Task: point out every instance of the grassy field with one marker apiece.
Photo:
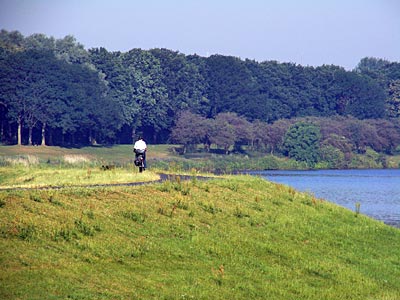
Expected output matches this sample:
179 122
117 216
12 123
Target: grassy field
121 154
166 158
160 157
235 238
39 176
28 167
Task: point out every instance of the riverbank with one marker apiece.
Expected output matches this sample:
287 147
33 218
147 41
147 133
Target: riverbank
233 238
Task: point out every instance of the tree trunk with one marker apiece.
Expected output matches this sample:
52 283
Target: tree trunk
50 135
30 136
10 133
44 134
92 138
19 133
155 137
1 131
133 134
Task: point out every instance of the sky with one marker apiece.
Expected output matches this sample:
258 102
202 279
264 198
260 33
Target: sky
305 32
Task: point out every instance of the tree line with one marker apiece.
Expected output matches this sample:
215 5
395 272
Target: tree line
310 139
55 92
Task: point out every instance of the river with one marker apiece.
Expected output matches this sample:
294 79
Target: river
377 191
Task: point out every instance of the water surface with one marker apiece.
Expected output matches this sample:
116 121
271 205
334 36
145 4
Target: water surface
377 191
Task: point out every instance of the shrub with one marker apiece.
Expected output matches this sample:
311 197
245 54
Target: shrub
302 142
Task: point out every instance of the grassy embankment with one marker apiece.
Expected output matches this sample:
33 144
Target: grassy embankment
235 238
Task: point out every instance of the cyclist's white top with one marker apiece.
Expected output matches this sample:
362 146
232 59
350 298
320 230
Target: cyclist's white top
140 145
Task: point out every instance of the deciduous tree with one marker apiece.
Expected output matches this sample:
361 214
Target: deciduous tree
302 142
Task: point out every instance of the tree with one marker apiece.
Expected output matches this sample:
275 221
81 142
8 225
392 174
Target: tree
71 51
273 100
359 96
41 90
387 136
243 129
260 132
59 88
189 130
333 144
302 142
333 157
14 68
371 64
223 133
41 97
183 81
362 135
12 41
121 84
393 99
149 92
39 42
276 133
230 85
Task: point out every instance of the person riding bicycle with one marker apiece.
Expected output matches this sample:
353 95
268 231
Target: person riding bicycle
140 148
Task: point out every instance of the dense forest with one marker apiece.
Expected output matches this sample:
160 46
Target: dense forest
55 92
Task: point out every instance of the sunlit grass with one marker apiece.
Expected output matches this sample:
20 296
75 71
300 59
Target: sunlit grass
75 159
43 176
164 157
121 154
235 238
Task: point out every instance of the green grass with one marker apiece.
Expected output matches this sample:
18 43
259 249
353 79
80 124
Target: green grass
166 158
119 154
234 238
47 176
29 167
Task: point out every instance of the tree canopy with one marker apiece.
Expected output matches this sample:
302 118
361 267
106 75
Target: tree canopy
55 92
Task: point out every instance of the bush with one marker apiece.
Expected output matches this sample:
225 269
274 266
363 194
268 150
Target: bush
333 157
302 142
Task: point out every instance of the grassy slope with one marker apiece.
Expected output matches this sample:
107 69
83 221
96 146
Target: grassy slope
235 238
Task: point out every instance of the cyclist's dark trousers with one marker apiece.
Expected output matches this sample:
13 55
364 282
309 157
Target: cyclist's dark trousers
144 157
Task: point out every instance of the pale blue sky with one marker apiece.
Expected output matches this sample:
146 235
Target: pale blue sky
308 32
